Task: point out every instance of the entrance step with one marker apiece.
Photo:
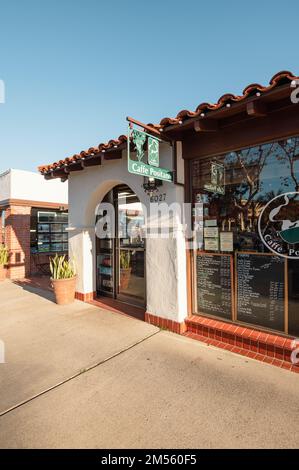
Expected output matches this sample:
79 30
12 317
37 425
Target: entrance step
266 347
119 307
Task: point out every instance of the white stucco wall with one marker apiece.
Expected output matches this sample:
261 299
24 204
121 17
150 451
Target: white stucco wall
26 185
165 258
5 183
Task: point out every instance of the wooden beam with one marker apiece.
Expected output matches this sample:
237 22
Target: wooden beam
145 126
59 173
113 155
277 125
74 167
151 130
256 108
276 94
206 125
92 161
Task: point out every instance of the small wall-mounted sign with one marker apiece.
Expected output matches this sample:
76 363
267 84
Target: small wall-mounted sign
137 166
153 151
217 184
226 241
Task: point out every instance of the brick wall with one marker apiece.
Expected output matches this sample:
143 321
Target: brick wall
2 231
17 234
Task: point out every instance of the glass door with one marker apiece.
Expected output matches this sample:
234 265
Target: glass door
105 277
130 247
120 261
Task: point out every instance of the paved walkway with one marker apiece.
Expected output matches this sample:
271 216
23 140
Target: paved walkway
80 376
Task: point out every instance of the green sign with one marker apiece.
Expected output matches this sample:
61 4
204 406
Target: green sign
150 169
217 184
142 169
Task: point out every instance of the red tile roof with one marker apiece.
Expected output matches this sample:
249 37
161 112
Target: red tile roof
113 143
280 78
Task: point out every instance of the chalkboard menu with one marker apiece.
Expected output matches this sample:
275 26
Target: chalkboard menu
260 290
214 287
293 291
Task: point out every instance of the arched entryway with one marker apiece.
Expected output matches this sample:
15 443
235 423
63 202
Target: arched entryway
120 261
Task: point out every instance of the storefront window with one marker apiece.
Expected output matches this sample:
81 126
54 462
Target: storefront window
48 231
246 213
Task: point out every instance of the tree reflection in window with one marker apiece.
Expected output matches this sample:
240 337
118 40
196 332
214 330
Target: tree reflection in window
253 176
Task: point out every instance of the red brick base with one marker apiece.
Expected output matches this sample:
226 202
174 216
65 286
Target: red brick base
171 325
85 297
266 347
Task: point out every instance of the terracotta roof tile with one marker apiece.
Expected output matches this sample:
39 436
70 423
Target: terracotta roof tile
278 79
84 153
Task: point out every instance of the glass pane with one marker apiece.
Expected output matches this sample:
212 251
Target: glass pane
44 238
131 274
43 247
105 272
46 216
61 217
43 228
56 247
56 228
249 202
130 221
56 237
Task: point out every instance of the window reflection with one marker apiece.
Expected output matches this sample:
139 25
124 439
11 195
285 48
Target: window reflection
227 224
253 177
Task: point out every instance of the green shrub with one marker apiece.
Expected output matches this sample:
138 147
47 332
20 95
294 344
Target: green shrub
124 259
3 255
61 268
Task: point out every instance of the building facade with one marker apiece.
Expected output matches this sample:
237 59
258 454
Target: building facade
33 219
236 164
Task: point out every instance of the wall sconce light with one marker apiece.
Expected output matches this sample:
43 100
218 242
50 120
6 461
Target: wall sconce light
151 185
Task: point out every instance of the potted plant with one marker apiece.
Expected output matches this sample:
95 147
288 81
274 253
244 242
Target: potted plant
125 269
63 278
3 261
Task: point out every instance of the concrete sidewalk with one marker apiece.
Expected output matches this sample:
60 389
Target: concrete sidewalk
46 343
165 391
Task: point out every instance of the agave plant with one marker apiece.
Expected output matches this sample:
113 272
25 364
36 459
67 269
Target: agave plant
124 260
3 255
61 268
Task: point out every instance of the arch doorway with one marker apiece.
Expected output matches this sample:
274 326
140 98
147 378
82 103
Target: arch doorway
120 261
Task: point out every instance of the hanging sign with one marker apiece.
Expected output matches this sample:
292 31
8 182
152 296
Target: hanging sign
217 184
137 166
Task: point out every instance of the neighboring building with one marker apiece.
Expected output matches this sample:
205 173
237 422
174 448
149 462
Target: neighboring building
33 220
230 161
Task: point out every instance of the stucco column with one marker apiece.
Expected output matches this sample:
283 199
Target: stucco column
82 251
166 280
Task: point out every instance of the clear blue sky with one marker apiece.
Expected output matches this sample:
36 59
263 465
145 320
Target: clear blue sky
74 69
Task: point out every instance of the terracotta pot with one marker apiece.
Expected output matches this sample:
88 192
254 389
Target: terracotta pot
64 290
2 273
124 278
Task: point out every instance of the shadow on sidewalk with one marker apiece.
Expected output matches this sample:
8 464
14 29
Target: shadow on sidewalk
40 285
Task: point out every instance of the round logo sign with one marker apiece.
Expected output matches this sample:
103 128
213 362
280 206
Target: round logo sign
278 225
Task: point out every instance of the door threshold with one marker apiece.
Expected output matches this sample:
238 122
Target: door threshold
118 306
